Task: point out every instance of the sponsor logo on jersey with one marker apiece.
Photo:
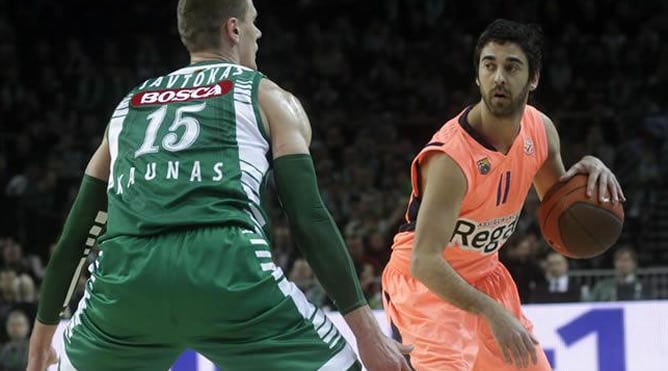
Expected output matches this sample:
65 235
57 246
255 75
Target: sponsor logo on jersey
528 147
486 237
484 166
146 98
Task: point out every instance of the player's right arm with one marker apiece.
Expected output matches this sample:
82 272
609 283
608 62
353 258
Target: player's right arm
443 188
313 228
66 257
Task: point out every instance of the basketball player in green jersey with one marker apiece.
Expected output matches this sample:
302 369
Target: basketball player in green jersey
184 261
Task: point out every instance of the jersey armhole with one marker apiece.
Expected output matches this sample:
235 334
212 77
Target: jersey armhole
415 167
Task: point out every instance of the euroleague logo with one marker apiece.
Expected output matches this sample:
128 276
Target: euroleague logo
529 149
146 98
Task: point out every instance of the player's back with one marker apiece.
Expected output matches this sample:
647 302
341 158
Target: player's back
188 149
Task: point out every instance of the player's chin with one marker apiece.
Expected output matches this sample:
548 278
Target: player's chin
500 110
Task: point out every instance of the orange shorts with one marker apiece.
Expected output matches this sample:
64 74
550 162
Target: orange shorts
445 337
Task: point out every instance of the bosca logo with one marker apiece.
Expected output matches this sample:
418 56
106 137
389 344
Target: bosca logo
181 95
484 166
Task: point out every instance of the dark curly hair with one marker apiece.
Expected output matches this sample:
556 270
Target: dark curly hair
528 36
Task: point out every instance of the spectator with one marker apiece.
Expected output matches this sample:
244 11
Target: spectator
8 295
557 287
14 354
14 259
625 285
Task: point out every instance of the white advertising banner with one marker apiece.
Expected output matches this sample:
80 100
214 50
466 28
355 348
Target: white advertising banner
631 336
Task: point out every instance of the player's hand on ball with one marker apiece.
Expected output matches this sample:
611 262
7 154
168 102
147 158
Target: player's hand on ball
380 353
516 343
609 189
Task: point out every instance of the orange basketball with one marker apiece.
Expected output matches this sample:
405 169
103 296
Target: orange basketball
575 225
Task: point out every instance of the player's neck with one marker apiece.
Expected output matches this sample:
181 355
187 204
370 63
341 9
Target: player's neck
213 56
500 132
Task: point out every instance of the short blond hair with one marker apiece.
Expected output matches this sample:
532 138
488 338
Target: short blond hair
199 21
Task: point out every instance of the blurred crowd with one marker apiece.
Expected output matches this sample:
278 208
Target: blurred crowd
377 79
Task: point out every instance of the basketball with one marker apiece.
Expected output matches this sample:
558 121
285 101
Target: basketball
578 226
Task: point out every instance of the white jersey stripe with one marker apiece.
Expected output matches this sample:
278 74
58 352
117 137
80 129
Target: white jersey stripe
263 254
343 360
114 132
253 147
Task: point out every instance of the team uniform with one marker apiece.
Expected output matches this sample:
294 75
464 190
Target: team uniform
446 337
185 261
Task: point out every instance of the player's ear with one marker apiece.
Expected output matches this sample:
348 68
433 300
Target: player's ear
231 29
477 81
533 84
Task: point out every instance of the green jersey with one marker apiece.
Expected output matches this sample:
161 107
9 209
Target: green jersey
188 149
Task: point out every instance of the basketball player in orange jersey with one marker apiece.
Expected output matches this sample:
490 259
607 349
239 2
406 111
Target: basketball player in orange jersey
445 289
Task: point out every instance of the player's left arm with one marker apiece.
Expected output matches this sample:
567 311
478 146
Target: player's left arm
78 235
553 167
553 170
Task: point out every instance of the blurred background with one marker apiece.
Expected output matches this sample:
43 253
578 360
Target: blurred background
377 78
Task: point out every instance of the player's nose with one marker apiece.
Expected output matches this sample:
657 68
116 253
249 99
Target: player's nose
499 77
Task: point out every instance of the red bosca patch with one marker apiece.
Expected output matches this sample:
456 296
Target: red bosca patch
153 97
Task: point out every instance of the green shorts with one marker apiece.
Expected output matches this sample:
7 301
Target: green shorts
213 290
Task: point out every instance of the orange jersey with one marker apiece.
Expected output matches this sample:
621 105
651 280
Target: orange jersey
498 185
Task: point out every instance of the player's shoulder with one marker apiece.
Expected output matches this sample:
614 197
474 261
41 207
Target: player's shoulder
270 93
268 86
450 139
280 107
542 129
453 130
538 116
